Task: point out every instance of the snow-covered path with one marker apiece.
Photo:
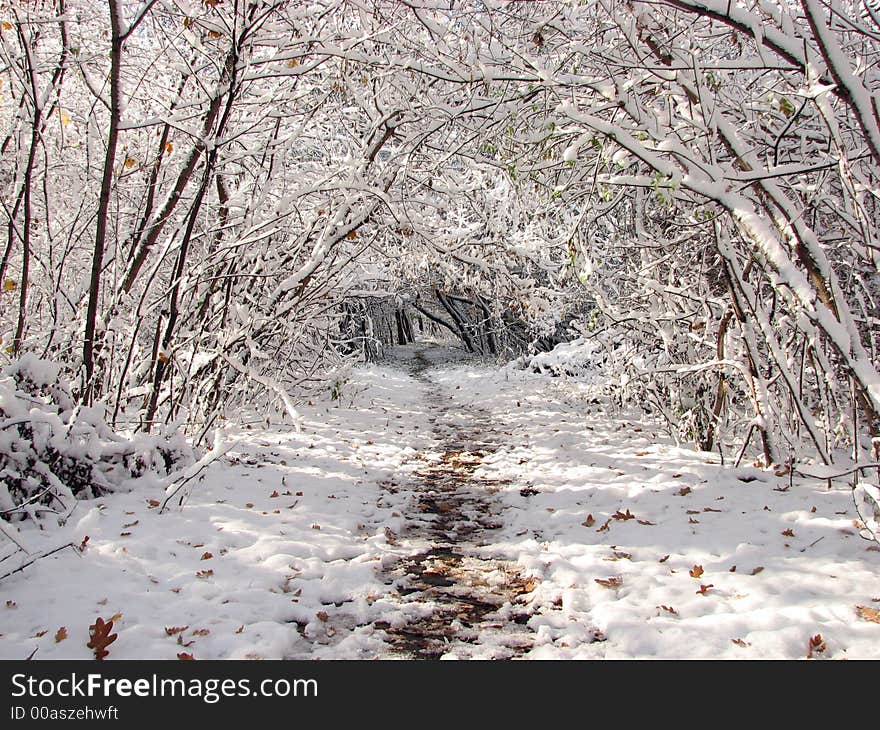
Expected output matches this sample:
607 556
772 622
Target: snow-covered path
458 511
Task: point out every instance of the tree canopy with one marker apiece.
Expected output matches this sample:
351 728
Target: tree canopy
204 201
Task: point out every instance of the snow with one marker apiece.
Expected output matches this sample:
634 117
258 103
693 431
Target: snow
281 547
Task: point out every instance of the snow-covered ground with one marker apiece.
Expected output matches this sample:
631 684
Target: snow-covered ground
632 546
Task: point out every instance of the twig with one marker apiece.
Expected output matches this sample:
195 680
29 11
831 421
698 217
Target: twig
38 557
813 543
218 450
856 468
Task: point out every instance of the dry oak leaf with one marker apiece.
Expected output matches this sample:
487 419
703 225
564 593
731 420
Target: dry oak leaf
323 616
788 533
869 613
816 645
61 634
184 657
668 609
201 632
613 582
684 491
605 526
100 637
623 515
172 630
206 556
696 571
757 569
740 642
704 589
663 559
589 522
204 573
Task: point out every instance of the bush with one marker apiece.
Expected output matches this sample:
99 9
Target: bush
53 451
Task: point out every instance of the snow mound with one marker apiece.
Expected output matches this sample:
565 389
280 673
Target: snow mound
580 358
53 451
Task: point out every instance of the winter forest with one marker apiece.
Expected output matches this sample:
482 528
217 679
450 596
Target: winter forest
439 329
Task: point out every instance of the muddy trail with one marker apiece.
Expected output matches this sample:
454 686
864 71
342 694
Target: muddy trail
477 605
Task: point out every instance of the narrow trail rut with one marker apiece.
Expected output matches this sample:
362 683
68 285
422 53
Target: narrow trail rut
477 603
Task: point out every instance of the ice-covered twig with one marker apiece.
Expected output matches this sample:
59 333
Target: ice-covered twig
831 471
37 557
179 481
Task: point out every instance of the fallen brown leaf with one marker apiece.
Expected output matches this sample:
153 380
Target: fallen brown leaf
100 637
613 582
816 645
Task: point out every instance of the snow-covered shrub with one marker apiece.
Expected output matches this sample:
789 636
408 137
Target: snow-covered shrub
53 451
581 357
